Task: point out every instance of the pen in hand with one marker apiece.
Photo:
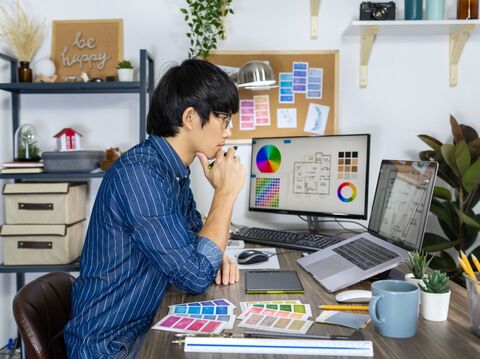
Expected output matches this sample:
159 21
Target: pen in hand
213 162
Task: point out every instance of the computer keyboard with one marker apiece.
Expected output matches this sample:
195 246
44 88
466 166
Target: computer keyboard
293 240
364 253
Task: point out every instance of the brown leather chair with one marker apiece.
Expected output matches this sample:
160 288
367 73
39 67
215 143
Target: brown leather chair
41 310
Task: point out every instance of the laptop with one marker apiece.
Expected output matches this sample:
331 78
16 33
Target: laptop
397 225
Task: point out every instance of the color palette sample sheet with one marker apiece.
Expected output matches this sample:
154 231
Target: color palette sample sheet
276 324
211 307
299 308
273 313
177 323
244 305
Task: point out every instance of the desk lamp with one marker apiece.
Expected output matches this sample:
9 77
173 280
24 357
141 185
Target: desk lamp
256 75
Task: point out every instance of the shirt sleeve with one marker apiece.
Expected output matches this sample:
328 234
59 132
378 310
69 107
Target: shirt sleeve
155 223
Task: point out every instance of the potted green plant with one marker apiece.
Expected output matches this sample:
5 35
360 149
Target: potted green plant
435 296
454 203
418 264
125 71
26 148
205 21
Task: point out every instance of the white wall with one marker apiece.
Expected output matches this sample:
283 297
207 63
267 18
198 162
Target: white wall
408 90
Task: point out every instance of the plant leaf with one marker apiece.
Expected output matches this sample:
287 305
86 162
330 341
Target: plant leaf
442 192
456 130
445 263
441 212
430 141
474 147
462 157
448 153
433 242
469 133
471 177
468 220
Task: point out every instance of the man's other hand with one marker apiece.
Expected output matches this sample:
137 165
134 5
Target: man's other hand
228 273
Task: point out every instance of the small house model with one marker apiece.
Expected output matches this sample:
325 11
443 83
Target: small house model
68 140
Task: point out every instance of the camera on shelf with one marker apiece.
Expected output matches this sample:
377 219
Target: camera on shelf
377 10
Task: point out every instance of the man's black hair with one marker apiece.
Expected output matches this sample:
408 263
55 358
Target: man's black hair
195 83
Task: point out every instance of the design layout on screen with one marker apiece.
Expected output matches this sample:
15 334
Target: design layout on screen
322 175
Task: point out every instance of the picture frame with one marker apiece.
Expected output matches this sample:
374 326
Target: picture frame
91 46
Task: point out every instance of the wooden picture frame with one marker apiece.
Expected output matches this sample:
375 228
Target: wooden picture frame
91 46
281 61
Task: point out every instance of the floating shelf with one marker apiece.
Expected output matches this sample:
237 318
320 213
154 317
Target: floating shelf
52 175
457 30
71 87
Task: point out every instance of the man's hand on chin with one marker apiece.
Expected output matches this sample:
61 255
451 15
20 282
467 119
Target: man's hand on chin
228 273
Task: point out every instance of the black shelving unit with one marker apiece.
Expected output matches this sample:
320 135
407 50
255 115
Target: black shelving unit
144 88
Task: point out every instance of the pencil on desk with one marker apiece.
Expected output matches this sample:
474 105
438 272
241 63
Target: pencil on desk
476 262
343 307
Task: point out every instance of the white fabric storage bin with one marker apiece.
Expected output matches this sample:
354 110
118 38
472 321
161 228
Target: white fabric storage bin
41 243
44 203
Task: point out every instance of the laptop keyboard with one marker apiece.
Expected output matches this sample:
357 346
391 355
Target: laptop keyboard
364 253
293 240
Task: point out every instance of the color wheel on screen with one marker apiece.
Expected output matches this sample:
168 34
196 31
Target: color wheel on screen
268 159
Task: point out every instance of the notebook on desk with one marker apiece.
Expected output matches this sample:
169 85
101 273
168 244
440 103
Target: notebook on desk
397 226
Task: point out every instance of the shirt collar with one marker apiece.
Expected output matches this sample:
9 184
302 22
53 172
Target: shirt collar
170 157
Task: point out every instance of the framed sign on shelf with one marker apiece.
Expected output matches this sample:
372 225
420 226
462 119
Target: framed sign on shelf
90 46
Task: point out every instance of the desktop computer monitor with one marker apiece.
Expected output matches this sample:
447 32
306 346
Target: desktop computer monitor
321 176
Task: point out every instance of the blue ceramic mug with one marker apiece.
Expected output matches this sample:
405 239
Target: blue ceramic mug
394 308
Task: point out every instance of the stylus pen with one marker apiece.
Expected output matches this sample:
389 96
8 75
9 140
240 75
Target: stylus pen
213 162
355 336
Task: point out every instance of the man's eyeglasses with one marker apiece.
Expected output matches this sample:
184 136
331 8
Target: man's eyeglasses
226 117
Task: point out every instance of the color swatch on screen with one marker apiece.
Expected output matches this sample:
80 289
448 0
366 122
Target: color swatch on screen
342 192
347 165
268 159
267 192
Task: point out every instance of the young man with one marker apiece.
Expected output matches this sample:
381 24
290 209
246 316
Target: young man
145 232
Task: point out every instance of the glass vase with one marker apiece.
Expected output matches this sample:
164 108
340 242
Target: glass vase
467 9
24 72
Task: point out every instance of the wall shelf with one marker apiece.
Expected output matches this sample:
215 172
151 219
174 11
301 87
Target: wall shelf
71 87
52 175
457 30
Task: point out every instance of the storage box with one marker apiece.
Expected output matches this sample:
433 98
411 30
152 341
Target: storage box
71 161
44 203
41 243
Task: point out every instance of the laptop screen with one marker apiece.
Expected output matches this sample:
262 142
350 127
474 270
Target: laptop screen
402 201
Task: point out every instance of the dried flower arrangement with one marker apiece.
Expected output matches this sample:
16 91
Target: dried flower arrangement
21 33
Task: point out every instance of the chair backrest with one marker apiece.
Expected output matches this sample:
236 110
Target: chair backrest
41 310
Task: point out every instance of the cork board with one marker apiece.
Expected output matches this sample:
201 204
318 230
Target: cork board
91 46
282 62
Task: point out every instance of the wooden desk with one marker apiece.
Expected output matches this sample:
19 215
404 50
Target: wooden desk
450 339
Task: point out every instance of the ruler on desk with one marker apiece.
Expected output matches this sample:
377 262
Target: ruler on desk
279 346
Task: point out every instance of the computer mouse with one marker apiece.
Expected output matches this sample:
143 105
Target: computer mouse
251 256
354 296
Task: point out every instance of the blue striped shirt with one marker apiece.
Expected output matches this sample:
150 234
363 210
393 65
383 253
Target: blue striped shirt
141 239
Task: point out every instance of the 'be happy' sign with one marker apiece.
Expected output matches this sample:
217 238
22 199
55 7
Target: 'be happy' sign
91 46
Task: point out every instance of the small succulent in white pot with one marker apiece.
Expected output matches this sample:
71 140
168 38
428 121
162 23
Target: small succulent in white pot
435 296
418 264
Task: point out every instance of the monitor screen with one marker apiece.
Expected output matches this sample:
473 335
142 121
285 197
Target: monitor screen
314 176
402 201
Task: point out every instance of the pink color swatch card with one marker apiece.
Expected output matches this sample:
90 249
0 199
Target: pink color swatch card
180 324
262 110
272 312
276 324
247 114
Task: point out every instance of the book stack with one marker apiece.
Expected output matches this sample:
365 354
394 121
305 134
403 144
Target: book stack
21 167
